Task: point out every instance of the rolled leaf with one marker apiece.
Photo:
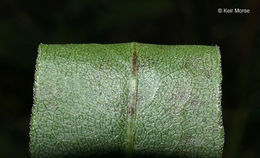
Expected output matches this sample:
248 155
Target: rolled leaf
128 99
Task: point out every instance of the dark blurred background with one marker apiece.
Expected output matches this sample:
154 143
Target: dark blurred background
25 24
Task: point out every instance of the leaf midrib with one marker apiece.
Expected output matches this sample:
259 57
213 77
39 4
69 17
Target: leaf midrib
130 133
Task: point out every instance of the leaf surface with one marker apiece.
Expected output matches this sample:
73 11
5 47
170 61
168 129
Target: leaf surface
128 99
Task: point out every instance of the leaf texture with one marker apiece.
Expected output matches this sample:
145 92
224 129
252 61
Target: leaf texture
128 99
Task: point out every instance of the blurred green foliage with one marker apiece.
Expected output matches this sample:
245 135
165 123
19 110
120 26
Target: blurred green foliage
26 23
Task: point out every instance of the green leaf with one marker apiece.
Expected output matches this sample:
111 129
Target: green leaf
128 99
